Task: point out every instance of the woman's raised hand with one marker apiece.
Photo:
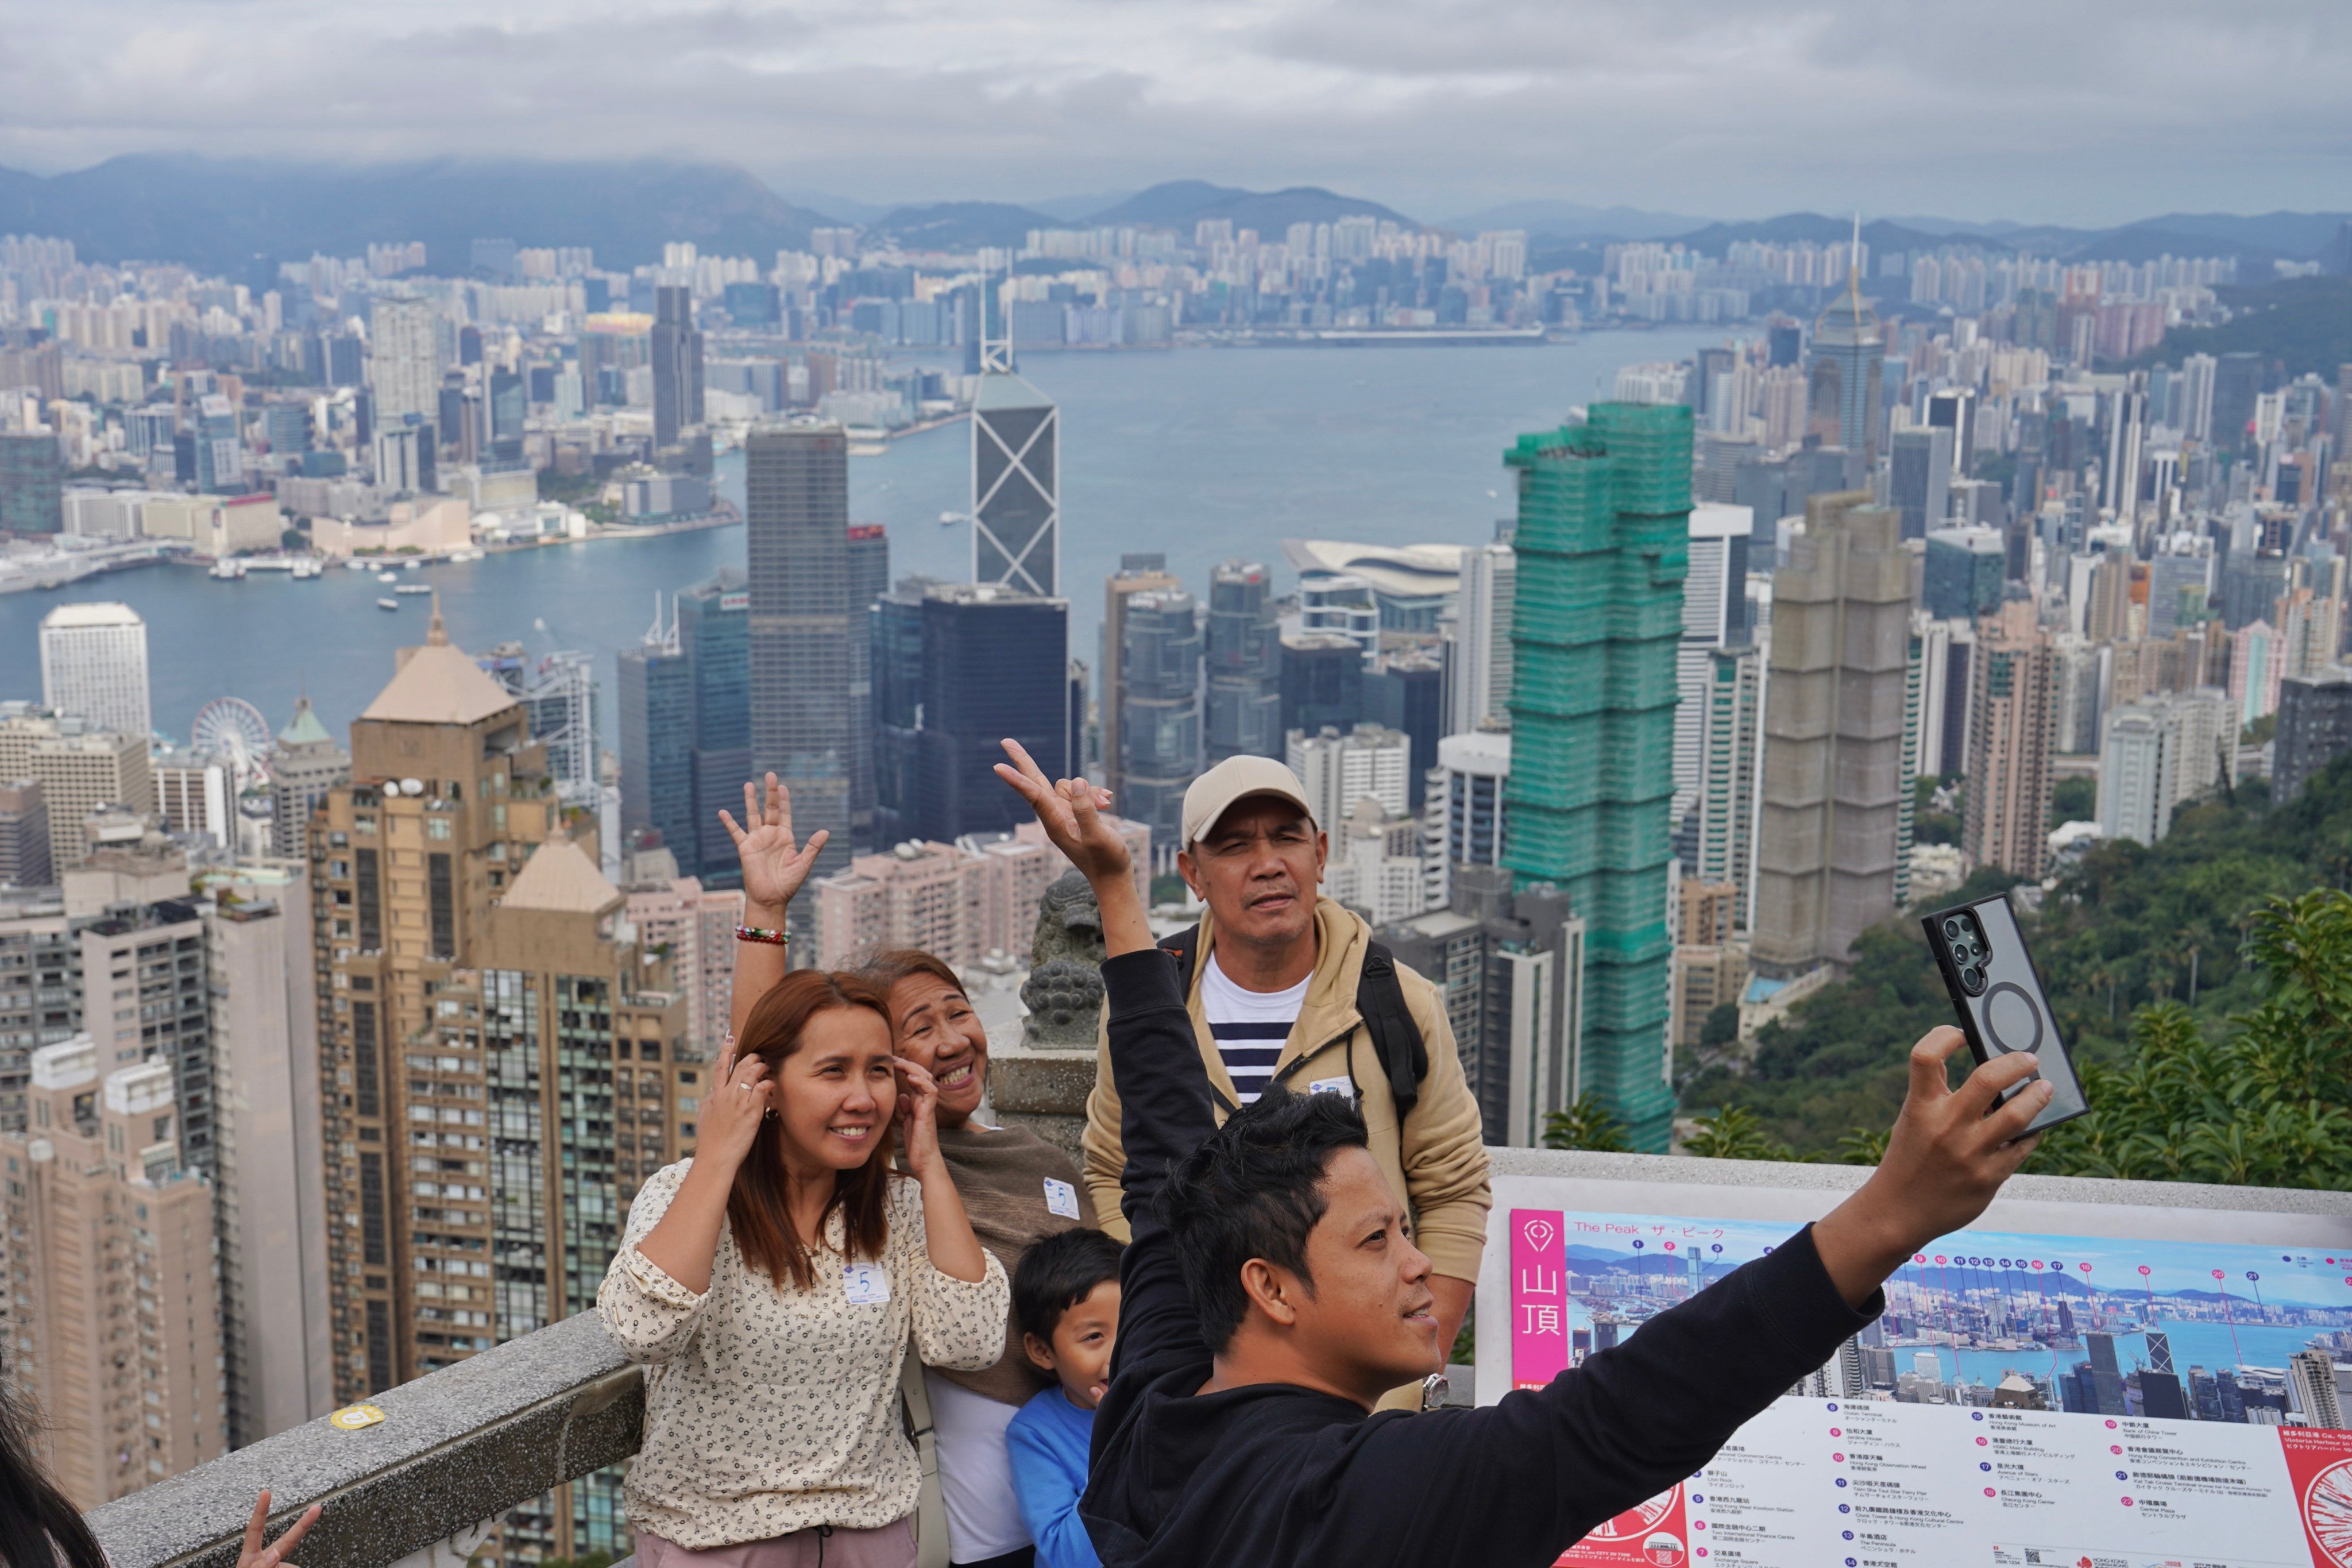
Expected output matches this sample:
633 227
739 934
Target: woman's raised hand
774 866
918 1116
730 1113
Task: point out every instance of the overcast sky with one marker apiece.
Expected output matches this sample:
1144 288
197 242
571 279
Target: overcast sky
2056 110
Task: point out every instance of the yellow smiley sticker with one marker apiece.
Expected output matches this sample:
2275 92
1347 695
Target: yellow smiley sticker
352 1418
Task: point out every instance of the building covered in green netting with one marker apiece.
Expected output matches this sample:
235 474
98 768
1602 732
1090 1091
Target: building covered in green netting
1604 545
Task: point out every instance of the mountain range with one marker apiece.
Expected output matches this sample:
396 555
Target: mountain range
222 215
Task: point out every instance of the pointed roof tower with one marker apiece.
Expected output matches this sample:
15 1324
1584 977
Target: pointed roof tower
438 684
560 877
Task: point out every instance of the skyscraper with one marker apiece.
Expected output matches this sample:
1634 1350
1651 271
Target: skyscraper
1603 544
1322 681
1138 573
1159 731
714 633
657 691
1478 682
1731 736
796 543
678 365
94 667
2011 729
1963 573
1715 616
1016 484
993 663
1243 658
2315 728
130 1382
1920 479
304 765
1849 363
1827 834
501 1064
79 769
405 371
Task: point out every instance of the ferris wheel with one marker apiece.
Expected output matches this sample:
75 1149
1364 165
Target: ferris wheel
233 729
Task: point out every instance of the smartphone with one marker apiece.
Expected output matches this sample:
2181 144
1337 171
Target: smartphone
1998 995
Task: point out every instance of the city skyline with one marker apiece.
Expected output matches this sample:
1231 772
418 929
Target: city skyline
1740 115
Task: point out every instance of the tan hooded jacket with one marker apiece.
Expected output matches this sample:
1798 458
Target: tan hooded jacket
1437 1163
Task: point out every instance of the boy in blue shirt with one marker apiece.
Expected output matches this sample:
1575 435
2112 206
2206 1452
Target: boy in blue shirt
1065 1294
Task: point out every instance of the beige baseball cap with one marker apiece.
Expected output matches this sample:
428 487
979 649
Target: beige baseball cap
1232 781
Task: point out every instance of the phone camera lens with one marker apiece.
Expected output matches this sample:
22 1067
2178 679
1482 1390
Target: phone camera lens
1952 928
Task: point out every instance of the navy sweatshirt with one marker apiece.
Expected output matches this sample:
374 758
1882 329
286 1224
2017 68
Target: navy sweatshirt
1279 1474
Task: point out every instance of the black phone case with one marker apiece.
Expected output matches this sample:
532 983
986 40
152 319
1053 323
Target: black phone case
2013 1013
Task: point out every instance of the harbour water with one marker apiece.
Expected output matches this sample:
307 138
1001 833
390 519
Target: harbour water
1202 455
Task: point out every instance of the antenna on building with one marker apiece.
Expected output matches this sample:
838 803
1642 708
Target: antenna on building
1853 267
662 636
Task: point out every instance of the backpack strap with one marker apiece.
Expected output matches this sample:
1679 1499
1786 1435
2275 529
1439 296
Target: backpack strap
1379 998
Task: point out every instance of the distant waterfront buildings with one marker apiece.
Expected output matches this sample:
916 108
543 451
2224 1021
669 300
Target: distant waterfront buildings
32 483
677 351
404 359
1603 547
94 667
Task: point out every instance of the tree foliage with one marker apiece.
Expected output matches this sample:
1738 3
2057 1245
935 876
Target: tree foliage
2204 983
1587 1125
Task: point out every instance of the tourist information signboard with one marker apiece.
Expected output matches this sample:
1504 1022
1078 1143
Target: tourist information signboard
2094 1384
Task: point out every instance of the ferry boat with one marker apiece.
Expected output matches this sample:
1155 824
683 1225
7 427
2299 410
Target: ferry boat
387 604
414 588
228 570
387 577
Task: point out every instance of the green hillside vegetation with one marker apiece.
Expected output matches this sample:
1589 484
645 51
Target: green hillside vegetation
2305 322
2240 1079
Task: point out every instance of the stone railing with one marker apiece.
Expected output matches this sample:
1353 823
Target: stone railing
454 1449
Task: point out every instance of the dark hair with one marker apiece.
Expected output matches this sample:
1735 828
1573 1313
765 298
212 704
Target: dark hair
1253 1189
756 1210
886 969
1058 1274
37 1524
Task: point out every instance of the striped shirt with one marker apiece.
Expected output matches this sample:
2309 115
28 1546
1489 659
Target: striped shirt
1249 1026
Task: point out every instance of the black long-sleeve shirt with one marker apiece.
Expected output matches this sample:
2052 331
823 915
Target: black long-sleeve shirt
1278 1474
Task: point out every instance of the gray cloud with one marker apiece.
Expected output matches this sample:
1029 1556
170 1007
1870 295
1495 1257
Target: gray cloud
2081 112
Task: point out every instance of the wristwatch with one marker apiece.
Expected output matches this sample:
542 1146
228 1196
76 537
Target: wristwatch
1434 1390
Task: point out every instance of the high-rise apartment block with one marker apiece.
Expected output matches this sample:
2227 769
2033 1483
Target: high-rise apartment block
32 483
804 665
960 901
94 667
1511 963
501 1063
2010 734
1160 660
2315 728
1715 616
1463 810
1603 542
1017 485
2159 754
1138 573
1366 762
1827 834
714 634
79 769
1244 665
404 361
106 1237
268 1149
1478 675
1722 821
697 925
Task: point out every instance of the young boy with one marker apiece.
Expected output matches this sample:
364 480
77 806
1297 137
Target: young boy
1065 1295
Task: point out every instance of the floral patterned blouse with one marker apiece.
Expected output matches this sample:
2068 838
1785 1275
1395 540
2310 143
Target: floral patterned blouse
770 1410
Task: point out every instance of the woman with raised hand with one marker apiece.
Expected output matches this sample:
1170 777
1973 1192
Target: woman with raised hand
774 1280
1018 1188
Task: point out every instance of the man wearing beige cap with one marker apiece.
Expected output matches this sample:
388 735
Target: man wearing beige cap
1279 994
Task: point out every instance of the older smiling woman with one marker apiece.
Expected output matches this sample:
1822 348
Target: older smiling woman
1018 1189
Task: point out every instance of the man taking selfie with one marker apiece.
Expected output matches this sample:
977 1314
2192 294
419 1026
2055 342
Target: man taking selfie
1272 1294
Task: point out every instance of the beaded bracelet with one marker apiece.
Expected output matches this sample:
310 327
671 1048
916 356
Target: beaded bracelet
760 934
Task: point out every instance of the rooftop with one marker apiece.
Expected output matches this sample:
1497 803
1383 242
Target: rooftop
438 684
